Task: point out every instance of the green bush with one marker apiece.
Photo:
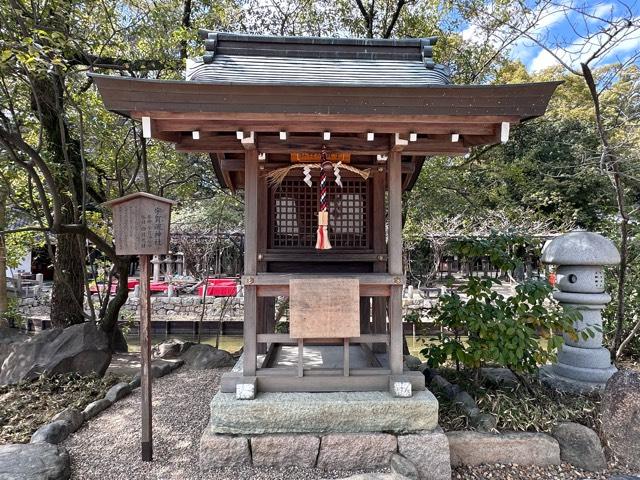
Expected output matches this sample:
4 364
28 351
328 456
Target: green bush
489 328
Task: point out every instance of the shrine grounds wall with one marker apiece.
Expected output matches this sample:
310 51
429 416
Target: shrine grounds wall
184 308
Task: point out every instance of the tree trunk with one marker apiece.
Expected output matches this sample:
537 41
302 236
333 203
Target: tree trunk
3 260
67 295
109 322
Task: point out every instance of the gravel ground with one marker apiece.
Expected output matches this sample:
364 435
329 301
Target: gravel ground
519 472
107 447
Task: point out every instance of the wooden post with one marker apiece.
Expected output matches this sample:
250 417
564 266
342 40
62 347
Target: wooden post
250 260
395 262
379 307
141 224
145 355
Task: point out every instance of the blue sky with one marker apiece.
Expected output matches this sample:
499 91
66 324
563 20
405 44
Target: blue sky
572 35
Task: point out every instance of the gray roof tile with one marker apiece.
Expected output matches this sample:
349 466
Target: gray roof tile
247 59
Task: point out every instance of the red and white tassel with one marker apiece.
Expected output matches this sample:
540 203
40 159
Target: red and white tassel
322 240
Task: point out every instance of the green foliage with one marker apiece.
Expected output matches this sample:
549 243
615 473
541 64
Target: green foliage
499 330
12 315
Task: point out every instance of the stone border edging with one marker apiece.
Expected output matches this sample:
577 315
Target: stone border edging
70 419
483 422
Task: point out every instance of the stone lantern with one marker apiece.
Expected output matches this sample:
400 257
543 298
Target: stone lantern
582 365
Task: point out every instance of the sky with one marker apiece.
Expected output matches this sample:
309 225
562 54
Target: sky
572 35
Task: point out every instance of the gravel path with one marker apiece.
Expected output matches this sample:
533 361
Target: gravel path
519 472
107 447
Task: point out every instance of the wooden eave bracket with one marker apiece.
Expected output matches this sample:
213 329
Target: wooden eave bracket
399 144
249 143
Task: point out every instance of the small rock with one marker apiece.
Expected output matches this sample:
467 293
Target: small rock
499 376
72 416
285 450
475 448
580 446
465 401
204 357
218 451
621 416
483 422
176 364
18 462
404 467
160 368
412 363
135 381
94 408
118 391
54 432
355 451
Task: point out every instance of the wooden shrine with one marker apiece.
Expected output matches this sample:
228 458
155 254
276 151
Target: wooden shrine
323 135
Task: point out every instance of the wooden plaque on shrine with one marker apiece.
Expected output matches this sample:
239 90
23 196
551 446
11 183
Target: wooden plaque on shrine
141 224
324 308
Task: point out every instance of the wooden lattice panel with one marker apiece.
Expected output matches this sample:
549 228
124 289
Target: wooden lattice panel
294 210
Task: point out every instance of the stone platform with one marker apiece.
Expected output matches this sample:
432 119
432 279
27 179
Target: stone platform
329 412
329 430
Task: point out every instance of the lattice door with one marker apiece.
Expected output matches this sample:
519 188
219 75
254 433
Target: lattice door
294 208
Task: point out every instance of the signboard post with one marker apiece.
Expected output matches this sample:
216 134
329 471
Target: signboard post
141 227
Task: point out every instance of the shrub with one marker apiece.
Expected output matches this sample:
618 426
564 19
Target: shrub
500 330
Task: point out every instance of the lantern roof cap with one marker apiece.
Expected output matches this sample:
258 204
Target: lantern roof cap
580 248
133 196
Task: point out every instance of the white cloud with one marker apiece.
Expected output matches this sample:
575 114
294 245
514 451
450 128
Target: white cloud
602 10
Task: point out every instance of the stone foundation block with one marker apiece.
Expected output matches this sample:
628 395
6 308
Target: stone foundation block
428 452
474 448
218 451
355 451
319 413
285 450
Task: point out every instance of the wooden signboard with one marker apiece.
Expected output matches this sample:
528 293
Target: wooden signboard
324 308
335 157
141 227
141 224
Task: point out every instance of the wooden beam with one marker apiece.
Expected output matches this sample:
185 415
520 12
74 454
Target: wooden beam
285 339
365 127
270 144
286 382
283 278
283 290
409 122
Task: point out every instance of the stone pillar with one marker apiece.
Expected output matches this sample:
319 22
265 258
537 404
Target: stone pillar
180 263
155 261
168 261
582 365
39 279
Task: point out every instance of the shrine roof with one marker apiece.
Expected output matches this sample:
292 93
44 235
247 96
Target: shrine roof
314 61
